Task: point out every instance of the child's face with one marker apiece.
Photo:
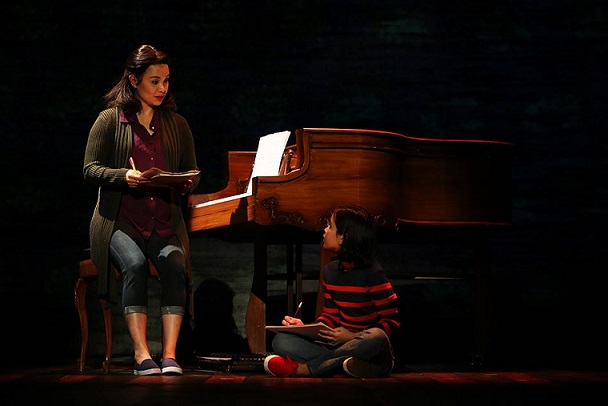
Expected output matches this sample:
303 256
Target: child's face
331 239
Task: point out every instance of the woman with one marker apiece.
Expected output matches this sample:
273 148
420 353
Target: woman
359 305
134 222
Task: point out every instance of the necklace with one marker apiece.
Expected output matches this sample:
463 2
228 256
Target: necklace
146 121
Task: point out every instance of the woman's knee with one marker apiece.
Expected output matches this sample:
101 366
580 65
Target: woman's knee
172 264
135 271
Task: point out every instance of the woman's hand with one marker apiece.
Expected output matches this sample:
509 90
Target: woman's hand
134 178
183 187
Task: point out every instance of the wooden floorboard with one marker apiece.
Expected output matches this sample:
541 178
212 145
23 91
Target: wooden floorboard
414 384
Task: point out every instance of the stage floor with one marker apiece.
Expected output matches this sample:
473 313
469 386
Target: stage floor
413 384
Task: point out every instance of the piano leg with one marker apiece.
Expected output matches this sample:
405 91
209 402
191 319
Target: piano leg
255 318
483 304
324 258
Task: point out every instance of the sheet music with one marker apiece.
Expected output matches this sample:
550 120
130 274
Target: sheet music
268 157
267 162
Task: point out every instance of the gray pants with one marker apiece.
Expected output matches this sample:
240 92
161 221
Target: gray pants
370 345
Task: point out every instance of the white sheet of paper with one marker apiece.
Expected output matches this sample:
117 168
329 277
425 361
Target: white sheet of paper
268 157
267 162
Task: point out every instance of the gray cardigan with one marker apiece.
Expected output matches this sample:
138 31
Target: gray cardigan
106 162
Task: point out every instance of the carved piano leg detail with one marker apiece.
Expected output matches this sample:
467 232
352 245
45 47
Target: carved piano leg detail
294 219
255 319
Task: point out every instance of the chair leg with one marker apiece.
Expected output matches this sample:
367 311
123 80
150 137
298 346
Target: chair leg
107 321
80 292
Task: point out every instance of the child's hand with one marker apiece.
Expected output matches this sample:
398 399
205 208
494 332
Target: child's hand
291 321
338 336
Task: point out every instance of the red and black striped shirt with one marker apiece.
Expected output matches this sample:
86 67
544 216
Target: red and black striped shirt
359 298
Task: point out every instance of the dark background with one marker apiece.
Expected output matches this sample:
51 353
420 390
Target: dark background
525 72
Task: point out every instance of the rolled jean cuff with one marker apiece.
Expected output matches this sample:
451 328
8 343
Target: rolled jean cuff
179 310
135 309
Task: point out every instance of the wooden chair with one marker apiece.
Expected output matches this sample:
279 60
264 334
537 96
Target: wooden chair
88 272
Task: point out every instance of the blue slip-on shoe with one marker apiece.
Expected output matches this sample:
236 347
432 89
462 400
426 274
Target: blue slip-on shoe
170 367
147 367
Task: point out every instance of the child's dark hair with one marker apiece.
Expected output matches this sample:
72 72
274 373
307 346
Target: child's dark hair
358 229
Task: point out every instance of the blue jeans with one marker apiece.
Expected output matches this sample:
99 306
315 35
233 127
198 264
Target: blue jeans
130 252
371 345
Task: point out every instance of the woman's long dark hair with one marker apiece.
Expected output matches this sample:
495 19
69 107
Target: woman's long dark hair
358 230
123 93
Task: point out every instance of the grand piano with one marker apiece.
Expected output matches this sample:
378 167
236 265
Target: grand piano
407 183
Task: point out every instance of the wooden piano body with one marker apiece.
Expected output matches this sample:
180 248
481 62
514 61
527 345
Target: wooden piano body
406 182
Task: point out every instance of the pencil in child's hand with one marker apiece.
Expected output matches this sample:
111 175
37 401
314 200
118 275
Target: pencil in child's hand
298 309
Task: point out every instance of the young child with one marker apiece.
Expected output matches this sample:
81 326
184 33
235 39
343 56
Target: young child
359 304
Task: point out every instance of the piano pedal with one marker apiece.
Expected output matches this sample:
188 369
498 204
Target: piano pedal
224 362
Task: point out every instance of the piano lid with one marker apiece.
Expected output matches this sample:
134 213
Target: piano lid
400 179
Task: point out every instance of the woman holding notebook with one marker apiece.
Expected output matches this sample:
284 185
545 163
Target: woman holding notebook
134 222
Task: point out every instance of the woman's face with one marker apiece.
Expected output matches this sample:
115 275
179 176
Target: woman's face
153 86
331 239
